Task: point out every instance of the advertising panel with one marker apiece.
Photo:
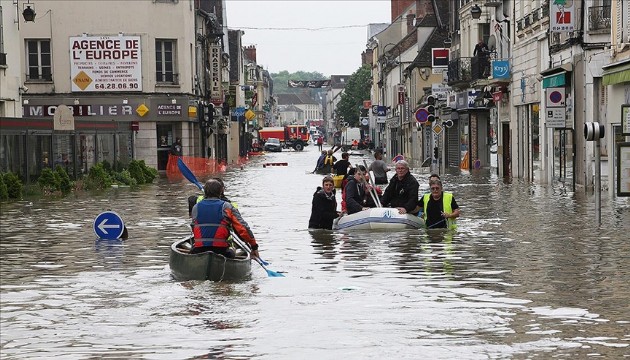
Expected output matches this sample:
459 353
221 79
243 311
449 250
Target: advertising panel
105 63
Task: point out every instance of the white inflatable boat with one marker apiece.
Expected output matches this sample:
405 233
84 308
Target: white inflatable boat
378 218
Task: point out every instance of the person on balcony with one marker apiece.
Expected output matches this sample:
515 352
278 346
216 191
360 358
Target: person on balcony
482 52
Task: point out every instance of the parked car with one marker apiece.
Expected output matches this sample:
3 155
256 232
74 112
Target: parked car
273 144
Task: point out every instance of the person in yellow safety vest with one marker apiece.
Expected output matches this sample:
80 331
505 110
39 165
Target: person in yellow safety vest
329 160
440 207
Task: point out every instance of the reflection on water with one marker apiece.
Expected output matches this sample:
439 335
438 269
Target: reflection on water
528 274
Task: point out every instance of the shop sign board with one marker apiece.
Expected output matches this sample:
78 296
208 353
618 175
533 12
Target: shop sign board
105 63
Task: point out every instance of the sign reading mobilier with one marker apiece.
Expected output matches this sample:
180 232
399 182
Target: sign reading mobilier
105 63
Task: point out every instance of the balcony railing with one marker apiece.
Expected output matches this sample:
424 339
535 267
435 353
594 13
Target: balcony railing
468 69
599 18
167 78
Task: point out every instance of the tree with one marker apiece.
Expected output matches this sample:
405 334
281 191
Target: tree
357 89
281 82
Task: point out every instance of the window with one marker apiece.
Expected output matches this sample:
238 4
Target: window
38 64
165 65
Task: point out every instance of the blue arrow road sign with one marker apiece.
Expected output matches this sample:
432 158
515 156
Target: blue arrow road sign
108 225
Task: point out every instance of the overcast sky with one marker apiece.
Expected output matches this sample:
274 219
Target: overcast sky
335 51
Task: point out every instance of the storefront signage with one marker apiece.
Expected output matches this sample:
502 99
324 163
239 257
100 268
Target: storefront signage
216 95
500 69
625 120
554 80
105 63
169 109
78 110
561 16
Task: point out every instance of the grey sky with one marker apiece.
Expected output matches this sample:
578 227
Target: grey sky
335 51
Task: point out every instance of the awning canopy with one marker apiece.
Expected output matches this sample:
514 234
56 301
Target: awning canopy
616 73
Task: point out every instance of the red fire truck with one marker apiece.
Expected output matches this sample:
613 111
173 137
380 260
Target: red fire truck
291 136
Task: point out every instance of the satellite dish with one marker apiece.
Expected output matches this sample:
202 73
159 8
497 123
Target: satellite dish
492 43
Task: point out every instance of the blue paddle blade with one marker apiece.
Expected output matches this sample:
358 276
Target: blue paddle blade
188 174
270 273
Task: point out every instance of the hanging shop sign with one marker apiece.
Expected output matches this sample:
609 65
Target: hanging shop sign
216 93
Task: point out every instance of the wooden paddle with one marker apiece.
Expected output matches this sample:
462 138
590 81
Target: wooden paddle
248 250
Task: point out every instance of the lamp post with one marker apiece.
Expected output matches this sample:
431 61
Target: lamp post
29 14
475 11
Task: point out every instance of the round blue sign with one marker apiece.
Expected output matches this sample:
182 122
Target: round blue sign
555 97
108 225
422 115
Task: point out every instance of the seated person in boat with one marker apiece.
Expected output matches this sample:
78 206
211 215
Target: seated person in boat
341 166
320 161
402 191
212 219
439 208
324 206
379 168
329 160
357 192
193 199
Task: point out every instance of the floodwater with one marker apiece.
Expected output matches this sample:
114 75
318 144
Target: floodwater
528 275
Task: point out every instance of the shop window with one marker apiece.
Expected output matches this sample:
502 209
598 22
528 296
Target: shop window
38 60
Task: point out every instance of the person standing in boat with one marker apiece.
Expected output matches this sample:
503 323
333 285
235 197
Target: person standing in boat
212 220
402 191
439 208
357 190
324 206
341 166
379 168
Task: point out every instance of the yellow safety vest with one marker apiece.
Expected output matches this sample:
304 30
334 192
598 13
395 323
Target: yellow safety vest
328 160
447 199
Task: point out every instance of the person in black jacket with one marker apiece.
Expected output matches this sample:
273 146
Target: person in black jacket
324 206
402 191
357 192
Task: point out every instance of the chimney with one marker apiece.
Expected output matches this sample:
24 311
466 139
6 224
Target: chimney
250 53
410 20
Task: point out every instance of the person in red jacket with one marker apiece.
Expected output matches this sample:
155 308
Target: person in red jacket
213 219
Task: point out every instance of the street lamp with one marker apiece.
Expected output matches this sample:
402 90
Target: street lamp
29 14
475 11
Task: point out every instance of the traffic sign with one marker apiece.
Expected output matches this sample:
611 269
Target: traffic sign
422 115
108 225
555 97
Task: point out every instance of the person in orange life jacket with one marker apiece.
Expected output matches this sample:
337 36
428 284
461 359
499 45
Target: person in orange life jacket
193 199
341 166
357 190
439 208
212 220
402 191
324 206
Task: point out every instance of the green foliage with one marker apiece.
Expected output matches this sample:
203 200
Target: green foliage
97 178
281 82
149 173
65 185
107 166
48 180
4 193
124 177
357 89
14 185
136 172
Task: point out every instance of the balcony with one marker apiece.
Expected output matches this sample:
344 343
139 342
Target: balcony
599 19
464 70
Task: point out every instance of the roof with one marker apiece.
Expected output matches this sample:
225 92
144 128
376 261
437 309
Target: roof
295 99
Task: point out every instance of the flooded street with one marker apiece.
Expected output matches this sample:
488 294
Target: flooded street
528 274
